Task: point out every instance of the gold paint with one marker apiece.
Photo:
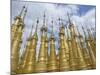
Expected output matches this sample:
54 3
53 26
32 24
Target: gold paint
63 63
85 54
75 53
15 45
89 50
41 65
92 42
73 50
16 41
52 61
91 54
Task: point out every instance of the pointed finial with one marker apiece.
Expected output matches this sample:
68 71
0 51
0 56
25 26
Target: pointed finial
44 27
52 26
82 27
59 19
37 24
62 24
24 14
37 21
44 18
31 31
84 32
87 28
92 29
69 19
77 28
78 31
44 14
52 33
67 33
22 11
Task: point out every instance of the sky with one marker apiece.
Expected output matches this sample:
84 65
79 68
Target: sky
81 15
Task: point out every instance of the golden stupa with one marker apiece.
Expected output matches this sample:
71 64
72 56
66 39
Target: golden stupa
76 51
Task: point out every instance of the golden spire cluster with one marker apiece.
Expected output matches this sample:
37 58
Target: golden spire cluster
76 51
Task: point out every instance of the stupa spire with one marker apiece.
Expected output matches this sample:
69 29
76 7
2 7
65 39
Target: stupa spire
44 19
24 14
37 25
69 21
44 28
22 11
89 49
91 41
16 41
63 63
41 62
30 34
52 61
52 26
29 58
84 51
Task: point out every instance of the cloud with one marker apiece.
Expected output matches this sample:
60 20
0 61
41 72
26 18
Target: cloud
53 12
87 20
